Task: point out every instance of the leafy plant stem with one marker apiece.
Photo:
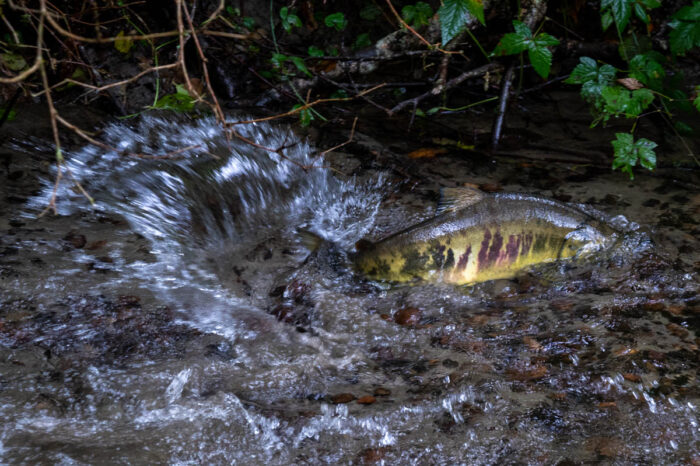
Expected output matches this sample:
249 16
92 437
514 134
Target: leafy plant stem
466 107
478 44
277 49
622 43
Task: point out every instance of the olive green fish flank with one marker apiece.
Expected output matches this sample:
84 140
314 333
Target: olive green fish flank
480 237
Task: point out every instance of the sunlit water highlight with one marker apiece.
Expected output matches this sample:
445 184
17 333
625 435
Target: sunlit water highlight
501 372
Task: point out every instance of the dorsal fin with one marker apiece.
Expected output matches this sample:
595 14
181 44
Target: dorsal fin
457 198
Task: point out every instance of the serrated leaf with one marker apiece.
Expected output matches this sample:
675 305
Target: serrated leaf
645 153
545 40
621 11
522 30
541 59
586 70
628 153
476 8
647 70
689 13
452 15
121 44
592 79
684 36
510 44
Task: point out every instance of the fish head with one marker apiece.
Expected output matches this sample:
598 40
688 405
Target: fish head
587 239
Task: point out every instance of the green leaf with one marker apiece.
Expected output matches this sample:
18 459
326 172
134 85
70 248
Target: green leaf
628 153
545 40
362 41
641 99
510 44
180 101
289 19
305 116
452 16
13 61
315 51
336 21
650 4
541 59
476 8
645 151
647 70
10 116
641 13
540 56
606 20
278 59
249 23
301 66
370 12
417 15
522 30
592 79
683 128
586 70
618 101
684 36
621 11
121 44
696 103
339 94
689 13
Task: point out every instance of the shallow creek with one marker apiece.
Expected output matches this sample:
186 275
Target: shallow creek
175 321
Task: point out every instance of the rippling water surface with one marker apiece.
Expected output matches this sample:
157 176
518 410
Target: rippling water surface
178 321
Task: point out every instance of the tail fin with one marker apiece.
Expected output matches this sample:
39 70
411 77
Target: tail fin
309 239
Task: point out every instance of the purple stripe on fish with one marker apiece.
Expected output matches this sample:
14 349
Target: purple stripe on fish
484 251
464 259
513 247
495 249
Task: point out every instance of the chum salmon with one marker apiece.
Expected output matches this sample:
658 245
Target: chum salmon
476 237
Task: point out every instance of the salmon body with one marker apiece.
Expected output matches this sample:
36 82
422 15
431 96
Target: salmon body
483 237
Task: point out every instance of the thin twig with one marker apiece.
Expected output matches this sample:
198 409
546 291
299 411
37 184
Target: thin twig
110 85
304 107
216 107
448 85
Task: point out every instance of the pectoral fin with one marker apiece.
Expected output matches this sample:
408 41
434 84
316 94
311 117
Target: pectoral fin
309 240
457 198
